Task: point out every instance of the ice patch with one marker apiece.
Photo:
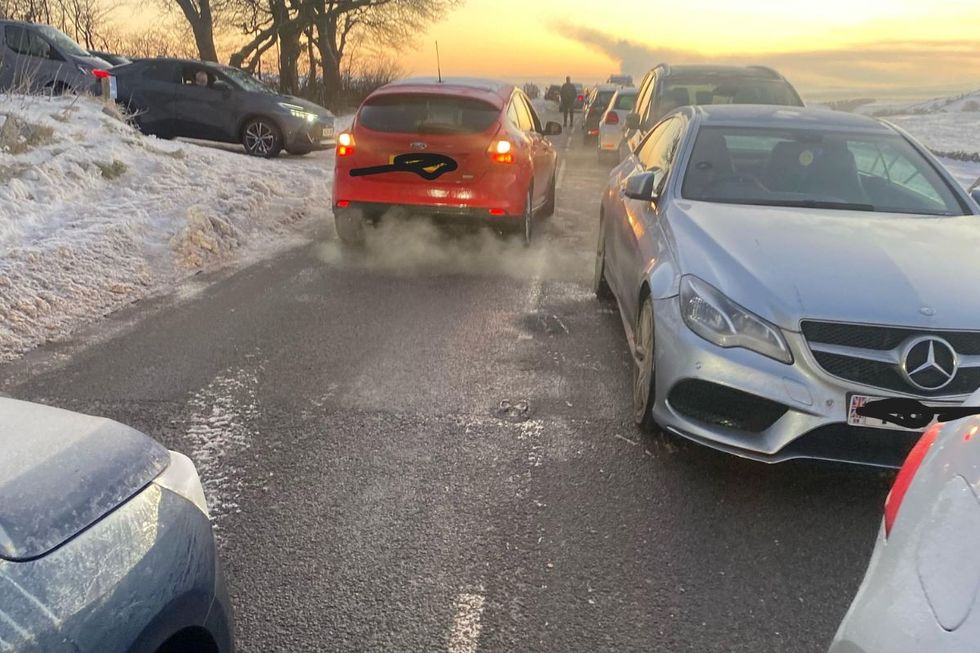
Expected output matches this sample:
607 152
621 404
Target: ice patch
220 427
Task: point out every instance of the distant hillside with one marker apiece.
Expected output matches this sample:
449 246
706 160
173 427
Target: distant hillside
964 103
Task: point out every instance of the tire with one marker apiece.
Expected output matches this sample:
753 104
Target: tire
529 216
261 137
548 209
350 227
299 152
644 368
599 284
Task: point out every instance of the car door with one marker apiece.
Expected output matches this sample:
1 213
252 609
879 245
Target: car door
202 111
148 90
542 151
636 231
32 63
633 137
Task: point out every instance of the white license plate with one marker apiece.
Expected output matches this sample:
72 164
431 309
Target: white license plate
856 401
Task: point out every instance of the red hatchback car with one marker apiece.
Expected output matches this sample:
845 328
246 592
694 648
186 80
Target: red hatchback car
468 149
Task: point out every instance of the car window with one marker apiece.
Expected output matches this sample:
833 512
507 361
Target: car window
659 148
62 41
535 121
816 168
682 91
512 113
27 42
524 120
602 99
160 71
888 163
427 114
625 102
645 98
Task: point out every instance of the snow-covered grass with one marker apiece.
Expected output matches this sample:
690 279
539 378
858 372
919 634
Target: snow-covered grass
943 132
94 215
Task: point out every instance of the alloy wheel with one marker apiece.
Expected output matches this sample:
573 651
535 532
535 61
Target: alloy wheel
260 138
643 369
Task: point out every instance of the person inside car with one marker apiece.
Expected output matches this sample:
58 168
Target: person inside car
201 78
567 96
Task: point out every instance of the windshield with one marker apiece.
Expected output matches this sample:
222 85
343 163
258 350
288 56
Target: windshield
625 101
602 98
822 169
62 41
427 114
245 81
683 91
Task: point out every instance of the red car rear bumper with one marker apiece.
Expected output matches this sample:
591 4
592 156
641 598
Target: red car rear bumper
502 191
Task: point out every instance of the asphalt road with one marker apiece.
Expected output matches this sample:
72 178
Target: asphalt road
371 494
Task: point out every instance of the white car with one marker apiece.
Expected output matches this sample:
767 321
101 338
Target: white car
920 592
612 124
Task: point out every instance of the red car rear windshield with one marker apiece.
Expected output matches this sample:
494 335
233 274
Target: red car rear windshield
427 114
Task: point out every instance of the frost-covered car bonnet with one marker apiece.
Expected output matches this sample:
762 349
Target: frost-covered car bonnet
61 471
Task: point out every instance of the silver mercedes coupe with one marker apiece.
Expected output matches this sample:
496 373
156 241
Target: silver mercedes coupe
776 268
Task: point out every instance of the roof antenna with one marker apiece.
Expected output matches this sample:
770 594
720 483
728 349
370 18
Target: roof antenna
438 63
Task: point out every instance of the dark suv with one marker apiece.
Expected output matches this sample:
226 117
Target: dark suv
208 101
667 87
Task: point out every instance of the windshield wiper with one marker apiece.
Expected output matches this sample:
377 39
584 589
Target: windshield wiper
803 204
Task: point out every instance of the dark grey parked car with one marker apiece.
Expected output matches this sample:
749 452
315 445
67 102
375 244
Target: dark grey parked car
194 99
39 57
105 541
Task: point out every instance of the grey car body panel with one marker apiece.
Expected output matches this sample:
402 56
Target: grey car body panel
36 73
61 472
174 109
143 573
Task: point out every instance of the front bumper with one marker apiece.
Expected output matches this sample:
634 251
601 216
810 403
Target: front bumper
758 408
300 134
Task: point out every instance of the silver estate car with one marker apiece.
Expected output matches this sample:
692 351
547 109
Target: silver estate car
778 267
105 541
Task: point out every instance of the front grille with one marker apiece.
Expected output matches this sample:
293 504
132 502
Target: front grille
868 336
884 338
718 405
854 444
885 376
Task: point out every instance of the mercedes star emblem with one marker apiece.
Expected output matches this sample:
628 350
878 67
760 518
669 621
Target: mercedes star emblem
929 362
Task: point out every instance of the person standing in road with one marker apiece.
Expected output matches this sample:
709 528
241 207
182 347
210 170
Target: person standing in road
566 101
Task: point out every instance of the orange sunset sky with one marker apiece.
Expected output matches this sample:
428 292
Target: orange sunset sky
824 46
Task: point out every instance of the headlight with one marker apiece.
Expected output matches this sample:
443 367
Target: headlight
298 112
181 478
721 321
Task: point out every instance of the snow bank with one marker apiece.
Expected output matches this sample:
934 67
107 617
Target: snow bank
94 215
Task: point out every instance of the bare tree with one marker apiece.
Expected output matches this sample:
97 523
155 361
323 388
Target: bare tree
335 25
200 15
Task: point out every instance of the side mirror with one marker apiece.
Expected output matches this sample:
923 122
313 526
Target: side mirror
633 121
221 85
975 194
551 128
644 186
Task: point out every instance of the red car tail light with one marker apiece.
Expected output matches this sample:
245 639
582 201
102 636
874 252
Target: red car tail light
612 118
501 151
498 212
905 475
343 204
345 144
101 74
581 98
